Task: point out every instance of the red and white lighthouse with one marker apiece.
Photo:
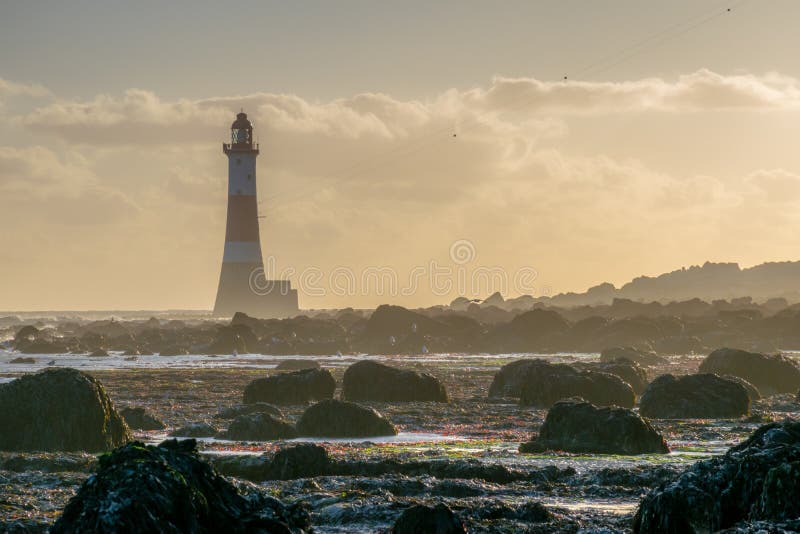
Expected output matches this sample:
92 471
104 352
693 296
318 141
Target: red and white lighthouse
243 283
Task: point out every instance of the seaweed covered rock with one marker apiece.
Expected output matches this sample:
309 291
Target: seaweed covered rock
372 381
694 397
341 419
645 358
574 425
770 374
420 518
259 427
755 481
543 383
59 410
296 387
139 419
631 372
168 488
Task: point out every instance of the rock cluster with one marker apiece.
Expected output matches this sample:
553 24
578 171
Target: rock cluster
755 481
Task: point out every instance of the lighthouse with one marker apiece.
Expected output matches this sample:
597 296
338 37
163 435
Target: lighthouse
243 284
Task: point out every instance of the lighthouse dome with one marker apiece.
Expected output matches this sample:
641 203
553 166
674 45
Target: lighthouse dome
241 122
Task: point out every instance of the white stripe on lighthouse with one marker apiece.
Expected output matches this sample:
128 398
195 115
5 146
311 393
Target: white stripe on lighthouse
242 252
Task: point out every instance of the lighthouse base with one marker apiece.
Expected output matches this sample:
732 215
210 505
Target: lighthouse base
243 288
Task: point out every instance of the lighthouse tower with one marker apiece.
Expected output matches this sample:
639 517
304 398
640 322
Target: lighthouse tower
243 284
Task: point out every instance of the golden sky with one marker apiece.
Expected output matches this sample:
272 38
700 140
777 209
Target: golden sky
113 182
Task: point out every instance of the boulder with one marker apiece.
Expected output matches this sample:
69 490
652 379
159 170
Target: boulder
259 427
631 372
195 430
246 409
299 461
770 374
529 331
342 419
540 383
372 381
23 360
437 519
296 387
59 410
234 338
694 397
645 358
756 480
574 425
168 488
139 419
752 391
297 365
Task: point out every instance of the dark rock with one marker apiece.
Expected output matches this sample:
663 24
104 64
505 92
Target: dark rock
631 372
530 331
259 427
694 397
755 481
24 360
372 381
644 358
246 409
141 488
421 519
195 430
99 353
770 374
296 387
139 419
540 383
59 410
341 419
234 338
297 365
752 391
299 461
574 425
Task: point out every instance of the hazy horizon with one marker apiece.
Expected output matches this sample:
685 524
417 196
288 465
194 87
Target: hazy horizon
388 135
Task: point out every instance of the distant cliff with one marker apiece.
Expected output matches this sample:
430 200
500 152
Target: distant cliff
709 282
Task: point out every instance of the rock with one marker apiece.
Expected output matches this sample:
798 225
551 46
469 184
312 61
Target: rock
341 419
770 374
195 430
142 488
540 383
299 461
234 338
23 360
245 409
372 381
574 425
644 358
99 353
694 397
752 391
139 419
631 372
529 331
296 387
755 481
59 410
297 365
421 519
259 427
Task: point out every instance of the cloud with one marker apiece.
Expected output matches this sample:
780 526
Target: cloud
9 88
141 117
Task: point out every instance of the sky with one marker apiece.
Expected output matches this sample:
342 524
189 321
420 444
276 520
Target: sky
560 143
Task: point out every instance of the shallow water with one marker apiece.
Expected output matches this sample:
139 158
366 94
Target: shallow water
584 491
